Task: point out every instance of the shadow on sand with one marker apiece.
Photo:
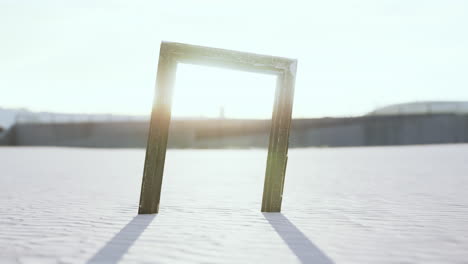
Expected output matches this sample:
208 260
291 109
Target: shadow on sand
303 248
300 245
115 248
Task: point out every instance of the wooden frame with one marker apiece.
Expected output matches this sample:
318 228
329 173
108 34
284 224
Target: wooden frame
173 53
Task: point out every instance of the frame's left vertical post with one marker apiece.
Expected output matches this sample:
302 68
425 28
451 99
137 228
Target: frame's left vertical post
158 134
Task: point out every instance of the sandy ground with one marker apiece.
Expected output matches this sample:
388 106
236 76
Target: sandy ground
341 205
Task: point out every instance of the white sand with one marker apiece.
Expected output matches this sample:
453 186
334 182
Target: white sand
341 205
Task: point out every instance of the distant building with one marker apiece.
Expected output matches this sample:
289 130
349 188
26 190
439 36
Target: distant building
430 107
401 124
221 112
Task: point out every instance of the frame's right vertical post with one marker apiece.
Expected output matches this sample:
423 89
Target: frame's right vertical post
279 141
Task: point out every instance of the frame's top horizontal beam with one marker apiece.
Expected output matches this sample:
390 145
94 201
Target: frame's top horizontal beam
245 61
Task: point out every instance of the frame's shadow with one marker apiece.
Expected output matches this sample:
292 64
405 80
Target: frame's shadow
305 250
115 248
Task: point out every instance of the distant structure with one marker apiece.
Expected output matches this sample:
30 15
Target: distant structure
401 124
4 140
423 108
10 117
221 112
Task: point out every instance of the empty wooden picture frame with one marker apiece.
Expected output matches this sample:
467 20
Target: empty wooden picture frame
173 53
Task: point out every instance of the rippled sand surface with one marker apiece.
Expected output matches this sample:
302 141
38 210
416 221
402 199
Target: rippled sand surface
341 205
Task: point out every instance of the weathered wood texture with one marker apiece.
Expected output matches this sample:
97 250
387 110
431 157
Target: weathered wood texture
173 53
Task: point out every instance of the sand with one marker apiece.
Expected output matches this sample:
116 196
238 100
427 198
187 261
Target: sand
341 205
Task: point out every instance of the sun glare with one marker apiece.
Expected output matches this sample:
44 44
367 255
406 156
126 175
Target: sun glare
210 92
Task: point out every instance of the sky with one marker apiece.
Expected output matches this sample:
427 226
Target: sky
353 56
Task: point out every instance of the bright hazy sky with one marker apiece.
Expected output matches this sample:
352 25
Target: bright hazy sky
354 55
